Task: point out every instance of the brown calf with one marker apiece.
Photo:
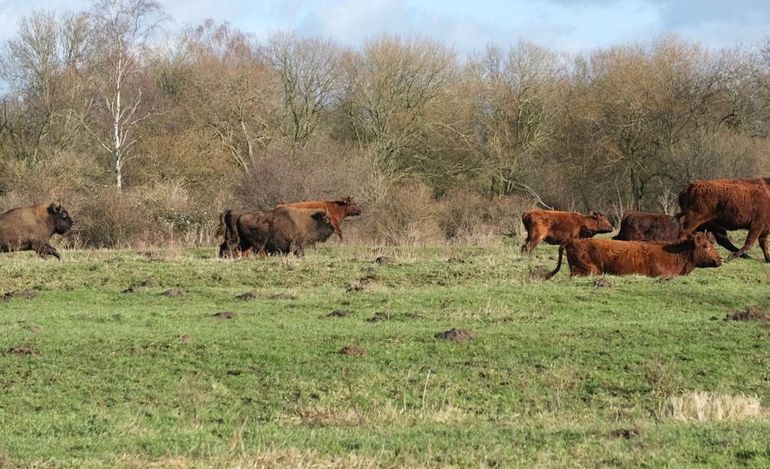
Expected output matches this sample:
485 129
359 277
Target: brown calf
556 227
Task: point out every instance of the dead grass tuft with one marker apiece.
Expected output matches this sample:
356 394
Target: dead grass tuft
702 406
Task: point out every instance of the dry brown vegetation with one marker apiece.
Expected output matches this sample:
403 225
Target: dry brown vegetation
703 406
145 145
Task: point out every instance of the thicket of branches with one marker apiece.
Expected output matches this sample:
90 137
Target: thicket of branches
146 137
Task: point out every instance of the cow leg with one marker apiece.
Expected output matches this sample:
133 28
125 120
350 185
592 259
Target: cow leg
533 239
721 238
763 244
44 249
751 238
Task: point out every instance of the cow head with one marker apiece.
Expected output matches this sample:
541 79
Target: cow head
351 207
704 253
61 219
599 223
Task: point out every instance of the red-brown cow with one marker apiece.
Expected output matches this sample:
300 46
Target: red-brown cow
659 227
607 256
556 227
336 210
735 204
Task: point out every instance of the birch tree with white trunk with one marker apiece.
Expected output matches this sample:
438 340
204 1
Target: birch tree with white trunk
122 31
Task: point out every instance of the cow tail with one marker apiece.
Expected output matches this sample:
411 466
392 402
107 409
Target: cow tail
526 219
231 230
558 263
682 198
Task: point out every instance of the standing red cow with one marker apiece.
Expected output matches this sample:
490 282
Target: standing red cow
556 227
735 204
336 210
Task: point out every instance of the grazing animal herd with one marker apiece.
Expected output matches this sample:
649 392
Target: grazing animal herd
651 244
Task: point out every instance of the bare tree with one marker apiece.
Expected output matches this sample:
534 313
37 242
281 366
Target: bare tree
517 93
122 30
309 73
231 93
393 89
39 66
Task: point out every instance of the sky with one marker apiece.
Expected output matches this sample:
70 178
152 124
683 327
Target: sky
563 25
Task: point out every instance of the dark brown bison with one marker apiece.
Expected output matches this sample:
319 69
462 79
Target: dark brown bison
336 210
734 204
607 256
280 230
659 227
556 227
231 245
30 228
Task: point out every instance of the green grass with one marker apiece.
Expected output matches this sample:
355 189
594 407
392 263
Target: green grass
565 372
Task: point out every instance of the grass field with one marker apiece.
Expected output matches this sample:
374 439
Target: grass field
578 372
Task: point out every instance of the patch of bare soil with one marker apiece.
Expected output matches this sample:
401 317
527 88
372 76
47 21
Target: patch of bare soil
362 283
353 350
748 315
185 339
626 433
456 335
602 282
23 350
248 296
33 328
21 294
224 315
148 282
386 316
379 316
174 292
283 296
338 313
539 271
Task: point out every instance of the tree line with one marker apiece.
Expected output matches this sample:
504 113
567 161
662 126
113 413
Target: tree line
147 134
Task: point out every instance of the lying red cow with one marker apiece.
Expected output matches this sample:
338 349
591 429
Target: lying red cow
607 256
336 210
556 227
735 204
